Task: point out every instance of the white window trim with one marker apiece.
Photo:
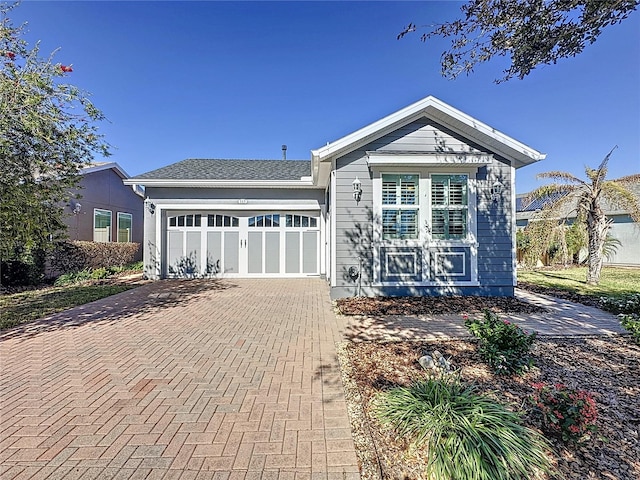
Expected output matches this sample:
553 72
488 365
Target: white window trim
118 227
424 204
96 210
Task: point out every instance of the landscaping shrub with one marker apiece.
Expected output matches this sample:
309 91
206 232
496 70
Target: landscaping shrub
631 323
568 412
503 345
465 434
95 274
75 256
28 269
628 304
72 277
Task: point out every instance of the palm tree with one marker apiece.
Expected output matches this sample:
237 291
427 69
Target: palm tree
584 197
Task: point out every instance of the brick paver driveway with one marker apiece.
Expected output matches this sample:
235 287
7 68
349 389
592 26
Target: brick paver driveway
179 379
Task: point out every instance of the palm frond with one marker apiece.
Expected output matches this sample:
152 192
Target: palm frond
561 176
629 179
554 199
600 173
546 193
618 195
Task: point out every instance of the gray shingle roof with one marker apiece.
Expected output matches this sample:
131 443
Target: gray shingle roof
227 169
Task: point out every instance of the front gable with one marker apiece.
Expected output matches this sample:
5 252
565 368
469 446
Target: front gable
448 122
435 212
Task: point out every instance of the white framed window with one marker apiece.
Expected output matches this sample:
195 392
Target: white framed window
125 222
101 225
400 212
186 220
449 206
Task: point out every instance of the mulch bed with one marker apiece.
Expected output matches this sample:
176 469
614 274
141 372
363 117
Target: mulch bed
376 306
607 366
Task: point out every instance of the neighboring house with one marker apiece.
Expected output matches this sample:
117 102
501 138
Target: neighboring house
421 202
108 210
623 227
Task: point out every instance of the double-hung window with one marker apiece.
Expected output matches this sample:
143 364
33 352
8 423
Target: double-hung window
400 206
449 206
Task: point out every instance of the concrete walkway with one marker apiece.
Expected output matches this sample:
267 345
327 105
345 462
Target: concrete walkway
562 318
179 380
199 379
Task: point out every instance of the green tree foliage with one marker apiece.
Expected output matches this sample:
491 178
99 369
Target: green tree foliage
569 194
528 32
47 133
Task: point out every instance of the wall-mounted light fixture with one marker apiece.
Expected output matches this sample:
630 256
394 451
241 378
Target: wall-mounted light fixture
496 190
357 189
75 207
149 205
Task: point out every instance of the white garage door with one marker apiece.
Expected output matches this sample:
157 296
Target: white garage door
243 245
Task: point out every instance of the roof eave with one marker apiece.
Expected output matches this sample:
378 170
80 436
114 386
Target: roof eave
98 168
307 182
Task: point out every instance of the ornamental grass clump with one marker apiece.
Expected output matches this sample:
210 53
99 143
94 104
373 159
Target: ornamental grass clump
502 344
567 412
465 435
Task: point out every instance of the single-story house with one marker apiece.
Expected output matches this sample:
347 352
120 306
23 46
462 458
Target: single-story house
107 210
420 202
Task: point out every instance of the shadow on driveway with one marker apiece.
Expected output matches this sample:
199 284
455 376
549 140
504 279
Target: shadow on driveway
141 301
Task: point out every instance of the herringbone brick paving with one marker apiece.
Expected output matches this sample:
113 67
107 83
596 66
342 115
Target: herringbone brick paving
229 380
179 380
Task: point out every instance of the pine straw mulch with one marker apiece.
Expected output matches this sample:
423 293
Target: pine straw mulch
607 366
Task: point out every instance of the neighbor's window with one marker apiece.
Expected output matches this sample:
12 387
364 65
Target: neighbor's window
400 206
125 221
101 225
449 206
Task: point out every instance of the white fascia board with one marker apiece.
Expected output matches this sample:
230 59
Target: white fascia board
450 117
106 166
306 182
410 159
240 205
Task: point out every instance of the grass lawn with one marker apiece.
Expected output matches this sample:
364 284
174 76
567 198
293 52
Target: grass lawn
23 307
614 281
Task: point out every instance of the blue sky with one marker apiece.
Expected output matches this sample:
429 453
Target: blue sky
203 79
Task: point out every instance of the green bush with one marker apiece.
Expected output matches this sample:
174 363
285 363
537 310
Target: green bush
631 323
466 435
72 277
28 268
75 256
623 304
95 274
503 345
568 412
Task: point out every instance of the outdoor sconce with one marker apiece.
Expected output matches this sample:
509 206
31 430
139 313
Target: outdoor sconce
357 190
150 206
76 208
496 190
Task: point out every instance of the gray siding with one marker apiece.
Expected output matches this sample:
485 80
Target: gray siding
354 222
104 190
179 194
